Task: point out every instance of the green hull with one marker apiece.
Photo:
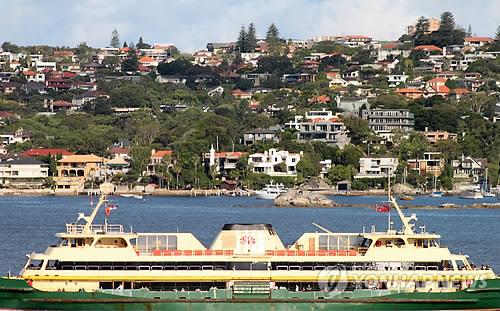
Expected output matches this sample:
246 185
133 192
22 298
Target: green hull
16 294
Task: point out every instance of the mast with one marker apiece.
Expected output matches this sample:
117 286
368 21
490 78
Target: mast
407 226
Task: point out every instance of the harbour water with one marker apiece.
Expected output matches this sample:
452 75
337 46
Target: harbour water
29 223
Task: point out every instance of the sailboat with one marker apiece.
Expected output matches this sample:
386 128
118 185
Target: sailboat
405 197
485 188
435 193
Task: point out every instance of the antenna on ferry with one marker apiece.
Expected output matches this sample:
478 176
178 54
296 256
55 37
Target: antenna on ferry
322 228
407 226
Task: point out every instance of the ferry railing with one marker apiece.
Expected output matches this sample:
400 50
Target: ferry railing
164 252
78 229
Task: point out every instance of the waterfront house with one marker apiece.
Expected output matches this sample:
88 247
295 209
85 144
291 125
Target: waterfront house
74 170
377 167
22 172
274 162
469 168
429 163
117 165
157 158
437 86
271 134
222 161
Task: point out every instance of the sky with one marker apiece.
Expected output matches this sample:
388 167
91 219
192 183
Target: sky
190 24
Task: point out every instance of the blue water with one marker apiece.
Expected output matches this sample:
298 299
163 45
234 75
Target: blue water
29 223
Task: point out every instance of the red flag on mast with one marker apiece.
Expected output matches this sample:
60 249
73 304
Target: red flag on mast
383 207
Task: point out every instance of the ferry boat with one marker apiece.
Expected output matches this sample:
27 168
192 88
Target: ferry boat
270 191
247 267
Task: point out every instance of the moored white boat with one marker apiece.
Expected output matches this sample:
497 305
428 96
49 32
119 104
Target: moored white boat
270 191
471 195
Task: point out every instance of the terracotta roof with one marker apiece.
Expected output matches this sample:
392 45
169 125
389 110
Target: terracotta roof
319 120
390 45
409 90
238 92
460 90
478 39
29 73
161 153
82 158
428 48
146 59
441 89
437 80
38 152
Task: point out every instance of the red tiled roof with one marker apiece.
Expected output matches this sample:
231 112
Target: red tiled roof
437 80
43 152
478 39
29 73
441 89
161 153
146 59
408 90
428 48
68 74
238 92
460 90
6 114
143 68
119 150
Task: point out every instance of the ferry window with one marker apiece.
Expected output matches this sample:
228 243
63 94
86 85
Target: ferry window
106 285
172 242
419 284
52 264
35 264
62 243
443 284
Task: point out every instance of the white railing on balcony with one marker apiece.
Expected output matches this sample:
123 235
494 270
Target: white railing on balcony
78 229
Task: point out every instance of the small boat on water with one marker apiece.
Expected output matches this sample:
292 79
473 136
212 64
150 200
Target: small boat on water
406 197
138 196
471 195
126 195
435 193
448 205
270 191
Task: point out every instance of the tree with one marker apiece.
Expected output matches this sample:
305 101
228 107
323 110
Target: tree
242 40
125 45
131 63
115 39
176 169
359 130
142 45
497 35
341 172
306 167
251 38
273 39
447 23
469 31
140 158
422 27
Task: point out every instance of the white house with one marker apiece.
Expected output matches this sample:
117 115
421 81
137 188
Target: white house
275 163
395 80
377 167
40 66
19 136
23 172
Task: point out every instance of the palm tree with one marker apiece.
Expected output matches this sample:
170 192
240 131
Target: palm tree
176 168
